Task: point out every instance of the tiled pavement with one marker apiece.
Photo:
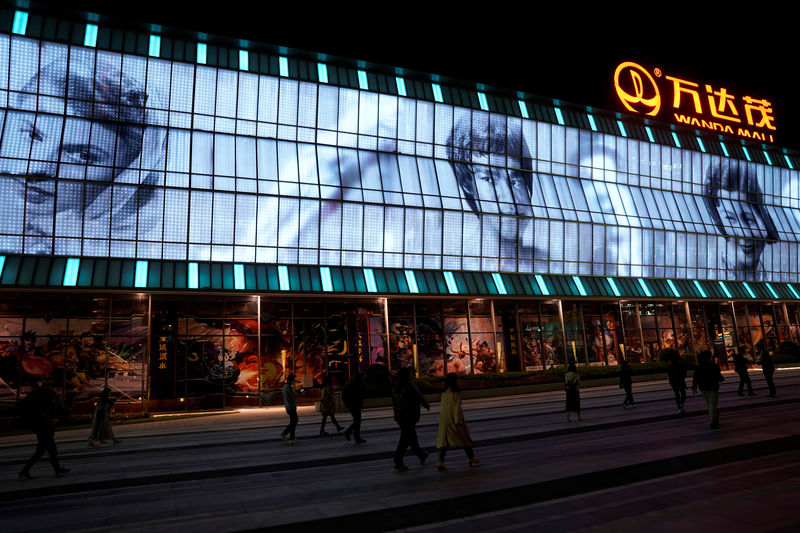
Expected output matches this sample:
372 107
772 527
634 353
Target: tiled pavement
618 470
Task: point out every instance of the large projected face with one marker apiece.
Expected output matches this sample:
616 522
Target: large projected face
116 155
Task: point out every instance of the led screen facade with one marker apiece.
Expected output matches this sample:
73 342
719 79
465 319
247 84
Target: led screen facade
112 155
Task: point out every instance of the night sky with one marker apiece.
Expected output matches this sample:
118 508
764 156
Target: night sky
568 53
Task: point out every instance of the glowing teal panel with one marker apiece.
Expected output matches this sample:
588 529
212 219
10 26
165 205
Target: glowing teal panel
788 162
613 286
193 276
20 23
622 128
244 60
401 86
202 53
90 35
797 297
283 66
724 289
369 277
140 278
645 288
322 72
702 146
452 287
579 284
238 277
482 101
155 46
591 122
675 138
559 116
283 278
673 288
769 287
766 155
327 282
498 281
523 109
749 290
542 284
363 82
2 263
724 149
71 272
649 134
700 289
746 153
437 92
412 281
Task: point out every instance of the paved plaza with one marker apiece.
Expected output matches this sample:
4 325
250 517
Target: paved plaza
642 469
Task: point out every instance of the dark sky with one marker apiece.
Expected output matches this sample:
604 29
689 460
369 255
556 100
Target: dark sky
567 53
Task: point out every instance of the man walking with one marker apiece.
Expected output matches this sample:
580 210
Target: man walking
768 367
677 380
353 397
740 366
707 378
36 409
406 401
626 382
290 404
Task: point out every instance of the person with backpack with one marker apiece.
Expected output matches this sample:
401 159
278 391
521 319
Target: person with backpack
353 397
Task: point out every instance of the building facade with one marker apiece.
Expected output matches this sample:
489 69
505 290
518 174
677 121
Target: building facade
187 222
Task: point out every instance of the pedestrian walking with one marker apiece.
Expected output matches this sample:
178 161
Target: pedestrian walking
707 378
101 423
406 402
353 397
740 367
328 406
572 385
768 367
36 410
453 430
290 404
677 380
626 382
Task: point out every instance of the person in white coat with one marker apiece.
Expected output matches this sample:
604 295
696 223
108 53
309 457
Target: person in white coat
453 430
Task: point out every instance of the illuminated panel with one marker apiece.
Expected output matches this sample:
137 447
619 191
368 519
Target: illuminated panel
591 122
202 53
772 291
498 282
579 284
542 284
673 288
437 92
788 162
2 263
452 287
794 292
283 278
724 149
613 286
90 35
71 272
327 282
140 278
675 138
746 153
699 288
649 134
154 49
766 155
322 72
622 128
645 288
20 22
363 81
749 290
702 146
401 86
523 109
559 116
724 289
482 100
412 281
369 278
244 60
238 277
194 278
283 66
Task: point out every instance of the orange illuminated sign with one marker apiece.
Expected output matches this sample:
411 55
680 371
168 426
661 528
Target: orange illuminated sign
695 105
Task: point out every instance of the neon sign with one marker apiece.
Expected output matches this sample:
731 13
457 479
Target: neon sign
692 104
